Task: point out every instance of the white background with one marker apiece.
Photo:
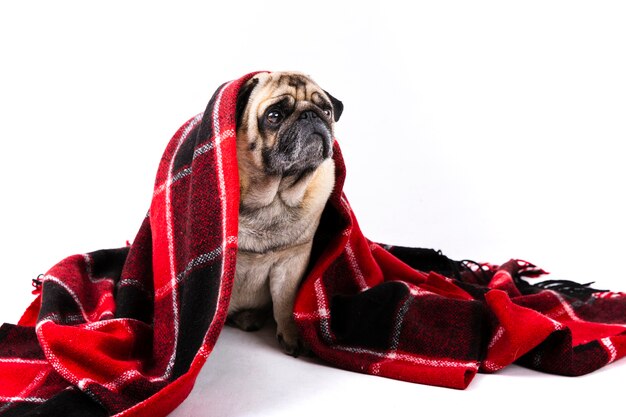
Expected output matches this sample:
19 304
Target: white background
487 129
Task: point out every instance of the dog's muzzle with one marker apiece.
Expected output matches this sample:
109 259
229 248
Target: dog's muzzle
301 147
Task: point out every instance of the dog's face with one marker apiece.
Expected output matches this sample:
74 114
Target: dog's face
284 124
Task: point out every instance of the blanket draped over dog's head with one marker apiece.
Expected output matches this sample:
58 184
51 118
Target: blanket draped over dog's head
125 332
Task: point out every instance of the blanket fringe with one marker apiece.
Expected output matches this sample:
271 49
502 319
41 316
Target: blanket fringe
480 272
37 283
571 288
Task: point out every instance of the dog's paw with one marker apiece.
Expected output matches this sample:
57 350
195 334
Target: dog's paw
249 320
292 344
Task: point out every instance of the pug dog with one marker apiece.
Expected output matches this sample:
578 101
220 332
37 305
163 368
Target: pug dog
285 125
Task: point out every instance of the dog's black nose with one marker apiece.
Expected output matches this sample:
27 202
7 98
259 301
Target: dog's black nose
309 114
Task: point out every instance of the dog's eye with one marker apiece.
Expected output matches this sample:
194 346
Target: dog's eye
327 112
274 117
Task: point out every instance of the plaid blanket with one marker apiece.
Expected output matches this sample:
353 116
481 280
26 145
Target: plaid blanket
124 332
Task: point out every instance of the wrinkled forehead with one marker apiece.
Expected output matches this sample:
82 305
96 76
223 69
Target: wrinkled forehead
293 86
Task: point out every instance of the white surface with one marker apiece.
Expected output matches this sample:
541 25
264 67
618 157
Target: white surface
487 129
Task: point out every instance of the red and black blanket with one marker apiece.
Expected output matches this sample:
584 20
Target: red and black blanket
124 332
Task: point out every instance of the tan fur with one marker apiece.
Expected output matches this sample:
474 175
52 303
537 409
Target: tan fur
279 215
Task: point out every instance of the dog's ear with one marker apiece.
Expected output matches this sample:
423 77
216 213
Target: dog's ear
242 98
337 106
